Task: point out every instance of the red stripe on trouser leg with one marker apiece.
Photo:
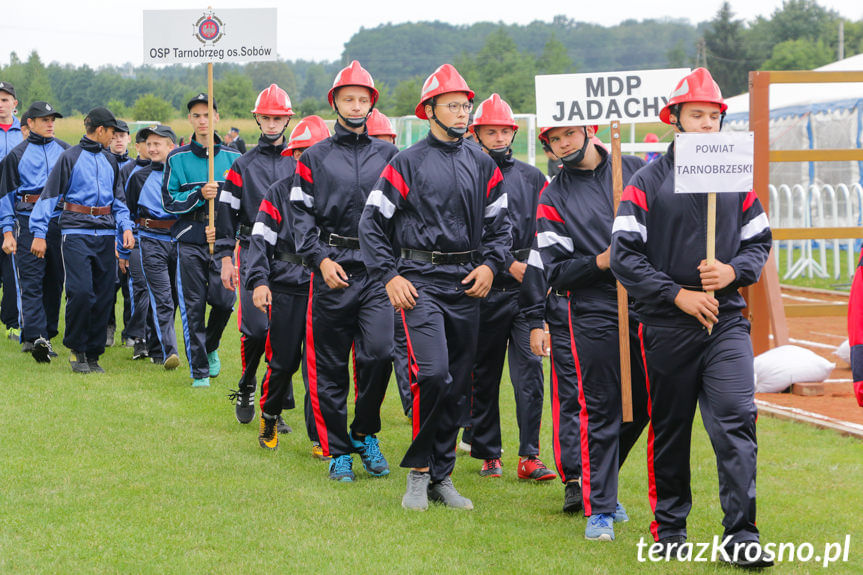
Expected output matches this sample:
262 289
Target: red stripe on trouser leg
582 421
413 372
312 368
239 299
354 368
268 350
555 415
651 478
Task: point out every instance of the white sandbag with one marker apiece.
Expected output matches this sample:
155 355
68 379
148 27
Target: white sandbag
777 369
843 352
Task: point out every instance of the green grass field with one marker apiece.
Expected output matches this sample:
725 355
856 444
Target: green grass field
136 472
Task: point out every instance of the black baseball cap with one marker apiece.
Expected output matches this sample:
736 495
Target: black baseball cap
101 116
201 99
140 136
161 130
40 109
8 88
122 126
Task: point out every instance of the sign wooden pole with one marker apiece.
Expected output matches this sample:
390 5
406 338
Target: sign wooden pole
711 237
211 139
622 297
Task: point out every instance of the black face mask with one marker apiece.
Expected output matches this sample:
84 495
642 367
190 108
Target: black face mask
571 161
450 131
353 122
272 138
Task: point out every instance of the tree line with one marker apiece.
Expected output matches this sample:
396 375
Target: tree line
799 35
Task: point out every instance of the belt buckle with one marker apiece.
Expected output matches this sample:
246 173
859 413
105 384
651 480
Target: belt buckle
92 210
147 222
330 241
434 256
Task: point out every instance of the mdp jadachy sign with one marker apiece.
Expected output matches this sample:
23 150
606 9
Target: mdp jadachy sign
604 97
714 162
200 36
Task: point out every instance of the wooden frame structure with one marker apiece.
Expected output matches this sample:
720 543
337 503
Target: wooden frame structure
764 299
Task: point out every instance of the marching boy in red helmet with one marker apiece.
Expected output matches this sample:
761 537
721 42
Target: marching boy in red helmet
245 185
441 203
332 181
658 254
505 329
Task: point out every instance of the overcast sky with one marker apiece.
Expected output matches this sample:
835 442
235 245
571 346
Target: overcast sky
99 32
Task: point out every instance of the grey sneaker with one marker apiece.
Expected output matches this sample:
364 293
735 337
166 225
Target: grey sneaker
416 495
444 492
78 361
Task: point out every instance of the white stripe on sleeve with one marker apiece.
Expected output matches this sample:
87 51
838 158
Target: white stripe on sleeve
629 224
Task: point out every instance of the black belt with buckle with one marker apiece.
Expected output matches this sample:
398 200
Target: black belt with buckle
200 215
289 257
560 293
338 241
244 230
439 258
521 255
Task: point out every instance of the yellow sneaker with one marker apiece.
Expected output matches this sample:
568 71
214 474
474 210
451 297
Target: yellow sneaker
267 436
318 452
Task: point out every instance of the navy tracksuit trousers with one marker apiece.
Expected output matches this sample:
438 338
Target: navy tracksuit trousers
8 303
604 440
336 317
40 281
565 404
91 274
442 332
253 325
686 366
136 327
503 327
158 260
199 283
284 355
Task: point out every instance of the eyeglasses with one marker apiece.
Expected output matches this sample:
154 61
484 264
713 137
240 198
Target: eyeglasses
454 107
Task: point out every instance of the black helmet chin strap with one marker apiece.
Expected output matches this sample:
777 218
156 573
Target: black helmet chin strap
272 139
450 131
352 122
499 155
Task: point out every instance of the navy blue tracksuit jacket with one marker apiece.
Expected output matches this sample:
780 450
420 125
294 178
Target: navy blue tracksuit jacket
659 238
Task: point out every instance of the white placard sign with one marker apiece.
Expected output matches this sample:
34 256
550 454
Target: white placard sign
583 99
717 162
201 36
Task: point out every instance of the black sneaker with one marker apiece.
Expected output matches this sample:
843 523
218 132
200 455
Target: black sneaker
93 362
139 349
78 361
244 400
27 347
282 426
747 555
572 499
42 350
667 548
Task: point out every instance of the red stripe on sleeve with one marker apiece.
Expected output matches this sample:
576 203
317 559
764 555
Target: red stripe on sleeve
543 189
268 208
391 175
305 172
548 212
750 199
496 178
636 196
234 178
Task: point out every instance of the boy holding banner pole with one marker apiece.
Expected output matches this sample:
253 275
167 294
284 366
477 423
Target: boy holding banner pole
657 253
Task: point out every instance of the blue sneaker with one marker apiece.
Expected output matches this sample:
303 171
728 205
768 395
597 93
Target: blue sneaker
341 468
620 515
370 452
201 382
600 527
215 364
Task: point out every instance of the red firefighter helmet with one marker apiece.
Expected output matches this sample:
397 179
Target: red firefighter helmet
353 75
309 131
543 132
493 112
445 79
651 138
698 86
273 101
379 125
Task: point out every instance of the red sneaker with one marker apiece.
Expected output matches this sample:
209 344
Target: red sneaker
533 468
491 468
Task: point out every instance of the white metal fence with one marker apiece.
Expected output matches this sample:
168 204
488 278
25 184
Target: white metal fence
816 206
